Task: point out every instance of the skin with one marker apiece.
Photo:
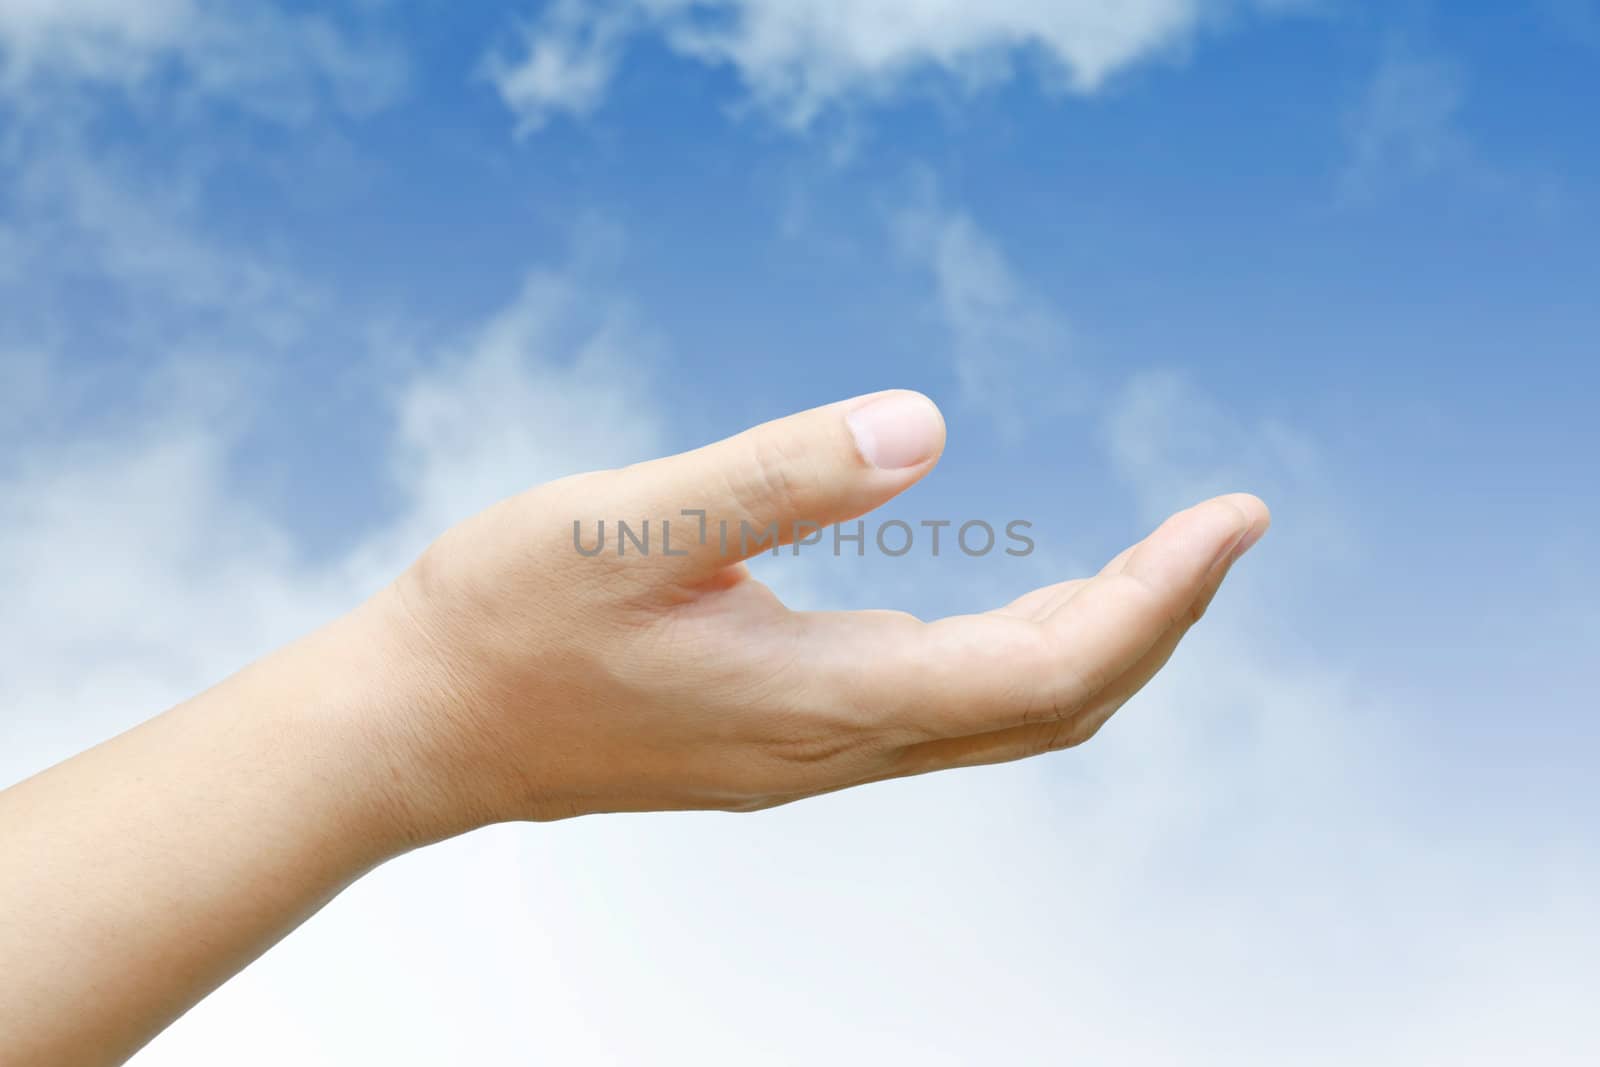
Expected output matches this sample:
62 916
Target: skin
506 677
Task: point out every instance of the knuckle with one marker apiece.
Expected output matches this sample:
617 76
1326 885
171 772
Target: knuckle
772 480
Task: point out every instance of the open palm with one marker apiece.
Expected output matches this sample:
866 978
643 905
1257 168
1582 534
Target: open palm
566 682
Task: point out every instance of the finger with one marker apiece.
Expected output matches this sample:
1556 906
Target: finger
977 674
1123 612
1045 601
788 480
1023 742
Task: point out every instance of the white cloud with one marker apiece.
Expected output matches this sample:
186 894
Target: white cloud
1405 124
101 39
1011 350
554 384
275 62
798 57
90 216
121 526
563 63
1172 443
1410 127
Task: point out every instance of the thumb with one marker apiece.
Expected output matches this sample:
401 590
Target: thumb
789 479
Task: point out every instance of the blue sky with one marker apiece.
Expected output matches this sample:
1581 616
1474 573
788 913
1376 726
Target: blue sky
288 288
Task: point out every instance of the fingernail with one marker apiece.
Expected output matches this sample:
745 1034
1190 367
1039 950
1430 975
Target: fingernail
897 431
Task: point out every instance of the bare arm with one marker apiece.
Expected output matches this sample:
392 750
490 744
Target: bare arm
142 874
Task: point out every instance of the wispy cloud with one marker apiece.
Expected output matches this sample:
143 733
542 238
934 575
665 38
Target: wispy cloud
1409 128
272 60
124 541
1172 442
560 63
1405 126
798 58
1011 350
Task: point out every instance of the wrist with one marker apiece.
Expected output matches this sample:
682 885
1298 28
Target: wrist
341 715
401 726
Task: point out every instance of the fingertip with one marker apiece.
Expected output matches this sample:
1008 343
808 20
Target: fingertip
1251 506
897 430
1256 520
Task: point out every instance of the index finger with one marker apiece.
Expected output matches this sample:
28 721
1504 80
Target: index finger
978 673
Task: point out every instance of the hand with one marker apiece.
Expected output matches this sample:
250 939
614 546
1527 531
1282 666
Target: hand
508 676
555 684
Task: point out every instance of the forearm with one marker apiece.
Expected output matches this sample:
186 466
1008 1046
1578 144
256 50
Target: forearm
142 874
